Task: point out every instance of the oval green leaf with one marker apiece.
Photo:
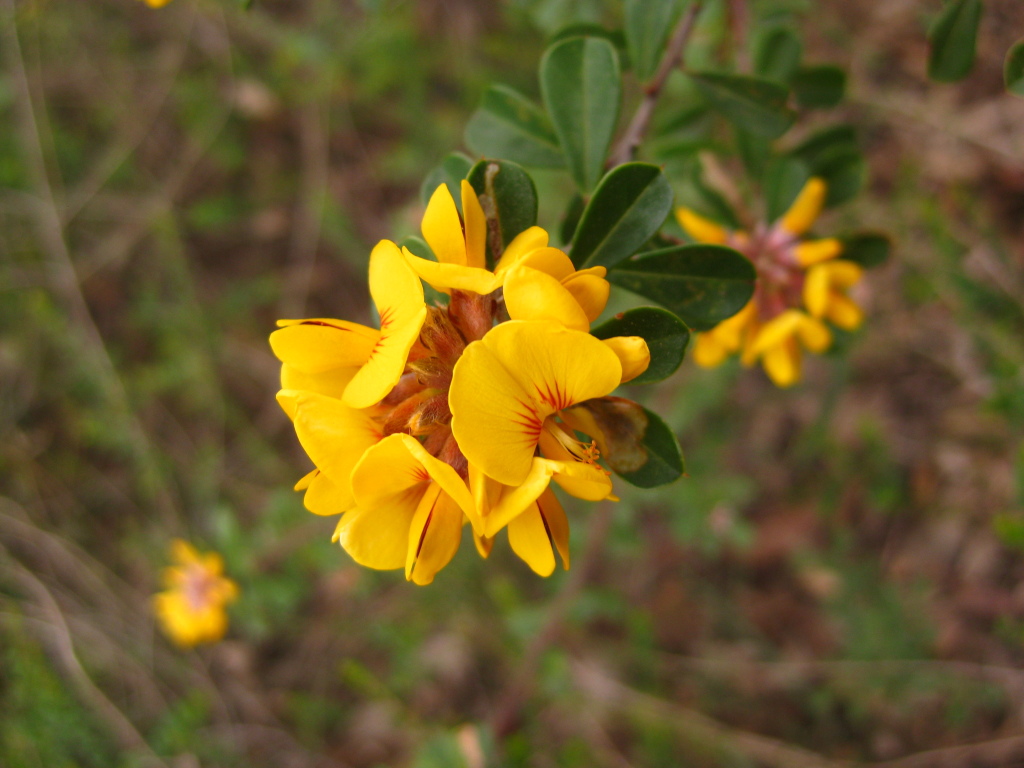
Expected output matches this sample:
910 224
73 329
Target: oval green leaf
510 126
869 249
581 86
783 179
953 37
647 25
1013 70
630 205
777 53
702 284
752 103
451 171
819 87
666 336
509 199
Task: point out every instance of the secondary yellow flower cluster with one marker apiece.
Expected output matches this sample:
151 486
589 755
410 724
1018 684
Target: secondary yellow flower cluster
191 609
800 284
156 3
456 413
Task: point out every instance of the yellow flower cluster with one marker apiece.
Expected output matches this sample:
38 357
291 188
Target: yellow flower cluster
156 3
457 413
191 609
800 284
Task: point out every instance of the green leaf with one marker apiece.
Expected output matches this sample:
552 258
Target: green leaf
452 170
819 87
1013 70
508 197
835 136
753 103
647 25
695 193
571 218
702 284
869 249
755 151
783 179
666 336
953 37
628 207
589 29
581 86
510 126
777 53
664 456
833 156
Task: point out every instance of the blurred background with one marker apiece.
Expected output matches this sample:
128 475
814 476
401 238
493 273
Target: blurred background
837 579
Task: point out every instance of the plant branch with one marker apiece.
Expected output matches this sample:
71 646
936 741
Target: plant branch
634 134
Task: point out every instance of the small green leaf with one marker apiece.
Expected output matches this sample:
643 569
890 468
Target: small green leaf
777 53
452 170
647 25
581 86
510 126
833 155
953 37
702 284
664 456
508 197
695 193
1013 70
824 140
628 207
666 336
869 249
784 177
753 103
819 87
588 29
755 151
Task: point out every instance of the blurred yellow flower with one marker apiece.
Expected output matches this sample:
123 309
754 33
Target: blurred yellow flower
799 284
192 608
156 3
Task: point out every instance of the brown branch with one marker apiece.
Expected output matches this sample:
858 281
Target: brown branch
634 134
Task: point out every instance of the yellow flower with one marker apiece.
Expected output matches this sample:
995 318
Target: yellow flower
410 509
156 3
442 417
191 609
539 282
799 282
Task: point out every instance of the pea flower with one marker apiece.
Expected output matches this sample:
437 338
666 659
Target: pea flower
191 609
156 3
800 283
456 414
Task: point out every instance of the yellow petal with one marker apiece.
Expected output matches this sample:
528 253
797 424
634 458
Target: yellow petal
379 537
532 295
183 553
816 251
525 242
332 434
590 289
303 484
557 524
315 346
434 536
806 208
331 383
550 261
398 463
583 480
633 354
398 294
708 351
506 384
446 277
817 290
325 498
483 545
776 331
699 228
530 540
514 500
782 363
476 227
844 274
814 334
844 312
442 228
